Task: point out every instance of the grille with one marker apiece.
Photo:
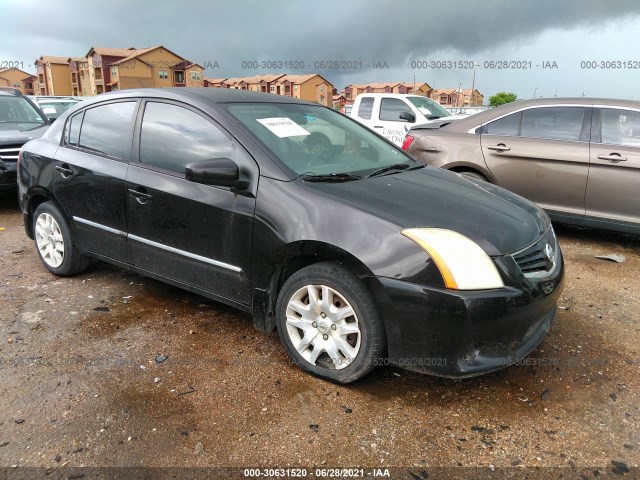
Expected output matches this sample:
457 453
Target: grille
537 257
9 153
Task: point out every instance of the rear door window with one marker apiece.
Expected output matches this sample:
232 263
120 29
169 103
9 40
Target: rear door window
366 108
507 126
106 129
554 123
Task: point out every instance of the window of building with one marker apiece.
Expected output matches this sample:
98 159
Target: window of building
296 88
173 136
195 75
272 89
163 73
105 129
114 71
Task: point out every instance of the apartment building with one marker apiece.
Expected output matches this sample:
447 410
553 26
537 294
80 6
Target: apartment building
311 87
350 92
454 97
154 67
53 76
257 83
16 78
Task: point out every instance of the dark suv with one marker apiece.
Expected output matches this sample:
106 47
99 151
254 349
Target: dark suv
20 121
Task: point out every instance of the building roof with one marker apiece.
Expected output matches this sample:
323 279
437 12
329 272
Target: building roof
112 52
26 75
185 64
449 91
52 59
215 80
299 79
135 54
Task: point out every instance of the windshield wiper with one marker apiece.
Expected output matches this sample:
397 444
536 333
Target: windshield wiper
330 177
390 168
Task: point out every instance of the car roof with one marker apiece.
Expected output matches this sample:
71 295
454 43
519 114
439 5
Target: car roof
393 95
207 94
472 121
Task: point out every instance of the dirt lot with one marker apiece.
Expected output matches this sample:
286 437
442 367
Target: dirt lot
80 384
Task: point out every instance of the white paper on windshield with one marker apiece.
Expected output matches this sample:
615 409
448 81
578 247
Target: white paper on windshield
283 127
49 110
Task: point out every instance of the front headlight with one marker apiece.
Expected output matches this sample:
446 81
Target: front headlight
462 263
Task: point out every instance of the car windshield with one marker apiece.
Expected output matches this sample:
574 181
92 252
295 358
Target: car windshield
428 107
17 110
316 141
55 109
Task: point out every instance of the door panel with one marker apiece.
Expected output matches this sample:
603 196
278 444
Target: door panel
196 234
551 172
90 173
613 191
94 196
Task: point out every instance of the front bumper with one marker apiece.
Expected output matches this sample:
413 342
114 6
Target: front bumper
454 333
7 176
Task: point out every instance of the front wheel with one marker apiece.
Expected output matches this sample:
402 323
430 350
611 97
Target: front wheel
329 324
54 242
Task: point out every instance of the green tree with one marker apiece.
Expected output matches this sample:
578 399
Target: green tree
501 98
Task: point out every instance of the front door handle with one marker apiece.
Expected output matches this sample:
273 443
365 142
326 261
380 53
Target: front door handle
501 147
613 158
378 126
64 170
141 197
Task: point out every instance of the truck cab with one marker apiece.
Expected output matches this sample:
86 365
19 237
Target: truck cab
392 114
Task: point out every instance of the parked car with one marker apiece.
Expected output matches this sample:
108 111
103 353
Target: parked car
357 254
20 121
578 158
392 114
53 107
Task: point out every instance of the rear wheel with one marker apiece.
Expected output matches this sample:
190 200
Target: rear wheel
54 242
329 324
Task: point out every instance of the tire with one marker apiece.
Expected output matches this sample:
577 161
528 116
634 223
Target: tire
54 243
473 175
342 340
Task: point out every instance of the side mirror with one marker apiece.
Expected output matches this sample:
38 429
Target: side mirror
222 172
408 116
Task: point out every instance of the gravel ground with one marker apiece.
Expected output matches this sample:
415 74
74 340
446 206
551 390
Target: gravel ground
82 384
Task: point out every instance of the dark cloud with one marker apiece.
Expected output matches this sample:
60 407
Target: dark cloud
231 32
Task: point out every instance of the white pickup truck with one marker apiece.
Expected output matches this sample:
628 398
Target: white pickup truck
393 114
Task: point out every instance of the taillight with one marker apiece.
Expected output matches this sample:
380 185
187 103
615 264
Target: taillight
408 140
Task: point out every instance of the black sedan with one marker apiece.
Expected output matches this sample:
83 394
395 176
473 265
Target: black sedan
358 255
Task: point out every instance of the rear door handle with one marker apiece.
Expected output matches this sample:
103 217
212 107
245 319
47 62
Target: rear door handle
64 170
613 158
141 197
501 147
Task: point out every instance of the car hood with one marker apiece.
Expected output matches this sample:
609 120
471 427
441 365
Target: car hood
497 220
21 136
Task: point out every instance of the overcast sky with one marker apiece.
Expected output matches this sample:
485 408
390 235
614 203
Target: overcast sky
360 35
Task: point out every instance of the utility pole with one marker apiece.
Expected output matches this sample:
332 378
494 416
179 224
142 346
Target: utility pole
534 92
473 83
